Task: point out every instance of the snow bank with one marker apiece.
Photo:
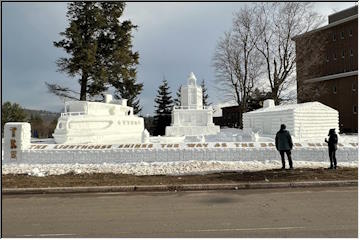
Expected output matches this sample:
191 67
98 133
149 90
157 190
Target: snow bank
158 168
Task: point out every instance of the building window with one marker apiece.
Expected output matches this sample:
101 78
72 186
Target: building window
342 35
334 89
351 53
343 54
335 56
327 58
350 33
353 87
355 109
334 37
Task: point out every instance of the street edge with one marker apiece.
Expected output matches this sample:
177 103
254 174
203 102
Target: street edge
178 187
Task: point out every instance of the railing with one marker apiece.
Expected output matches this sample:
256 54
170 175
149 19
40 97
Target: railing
72 113
194 107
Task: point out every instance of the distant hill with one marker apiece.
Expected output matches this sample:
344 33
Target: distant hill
46 116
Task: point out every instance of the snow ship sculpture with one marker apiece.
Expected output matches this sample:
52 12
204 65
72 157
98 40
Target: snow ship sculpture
191 118
111 121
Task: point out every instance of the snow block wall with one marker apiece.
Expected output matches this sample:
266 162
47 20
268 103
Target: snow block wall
156 152
305 121
17 137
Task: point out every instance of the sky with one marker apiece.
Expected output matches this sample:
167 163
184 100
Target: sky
173 39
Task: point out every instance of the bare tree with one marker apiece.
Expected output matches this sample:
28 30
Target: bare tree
278 23
236 62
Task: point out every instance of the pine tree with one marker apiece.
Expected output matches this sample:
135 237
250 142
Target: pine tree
205 96
130 90
11 113
177 100
37 126
99 50
164 104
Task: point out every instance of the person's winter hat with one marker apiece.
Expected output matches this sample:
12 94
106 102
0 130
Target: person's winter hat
282 126
332 131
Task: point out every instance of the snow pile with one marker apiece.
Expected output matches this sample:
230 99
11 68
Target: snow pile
158 168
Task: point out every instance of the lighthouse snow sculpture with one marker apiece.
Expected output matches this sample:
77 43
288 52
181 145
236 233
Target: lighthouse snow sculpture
191 118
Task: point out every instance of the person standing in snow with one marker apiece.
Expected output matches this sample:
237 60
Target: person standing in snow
284 144
332 146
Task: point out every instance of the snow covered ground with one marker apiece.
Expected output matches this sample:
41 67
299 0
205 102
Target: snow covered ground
158 168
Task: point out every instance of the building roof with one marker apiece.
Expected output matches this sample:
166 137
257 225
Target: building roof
330 25
313 106
332 76
343 14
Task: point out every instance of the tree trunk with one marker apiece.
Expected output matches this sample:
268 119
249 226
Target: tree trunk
274 95
84 80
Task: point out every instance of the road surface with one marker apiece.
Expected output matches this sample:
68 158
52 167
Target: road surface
311 212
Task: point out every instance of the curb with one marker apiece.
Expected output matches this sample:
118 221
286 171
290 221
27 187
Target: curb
182 187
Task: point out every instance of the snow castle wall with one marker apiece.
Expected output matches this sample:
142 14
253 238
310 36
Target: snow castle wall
175 152
19 150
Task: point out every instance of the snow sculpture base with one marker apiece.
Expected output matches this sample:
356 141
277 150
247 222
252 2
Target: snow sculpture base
191 122
192 131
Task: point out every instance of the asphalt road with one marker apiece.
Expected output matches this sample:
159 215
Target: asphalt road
320 212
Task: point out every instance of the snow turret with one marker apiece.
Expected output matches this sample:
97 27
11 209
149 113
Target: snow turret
269 103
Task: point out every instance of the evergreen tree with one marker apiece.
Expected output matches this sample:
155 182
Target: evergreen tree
205 96
99 50
164 104
130 90
177 100
11 113
37 126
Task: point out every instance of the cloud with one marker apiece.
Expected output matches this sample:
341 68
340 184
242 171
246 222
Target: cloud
172 39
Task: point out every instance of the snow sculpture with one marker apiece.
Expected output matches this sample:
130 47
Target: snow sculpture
305 121
111 121
17 136
191 118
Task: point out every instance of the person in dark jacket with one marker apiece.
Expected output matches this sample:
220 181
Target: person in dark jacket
284 144
332 146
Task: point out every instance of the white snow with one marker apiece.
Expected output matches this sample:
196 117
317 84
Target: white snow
158 168
310 121
230 150
191 118
98 122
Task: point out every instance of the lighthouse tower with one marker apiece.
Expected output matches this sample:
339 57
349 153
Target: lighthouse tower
191 118
191 94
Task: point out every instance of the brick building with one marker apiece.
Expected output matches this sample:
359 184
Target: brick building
231 117
327 66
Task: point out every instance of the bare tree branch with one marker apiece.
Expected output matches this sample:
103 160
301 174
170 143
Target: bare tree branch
279 23
237 64
62 92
